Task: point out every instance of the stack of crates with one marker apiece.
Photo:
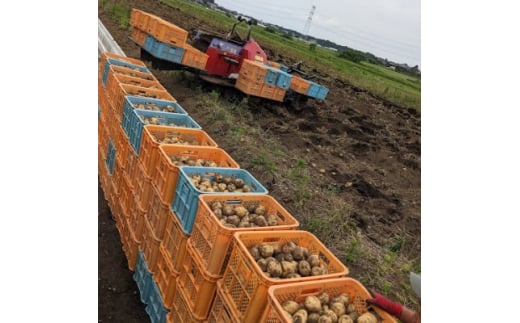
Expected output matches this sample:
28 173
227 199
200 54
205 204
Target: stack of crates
165 40
188 265
263 80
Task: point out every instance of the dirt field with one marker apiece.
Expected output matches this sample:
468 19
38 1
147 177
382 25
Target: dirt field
360 149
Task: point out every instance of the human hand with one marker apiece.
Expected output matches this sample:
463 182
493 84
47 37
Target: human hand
384 303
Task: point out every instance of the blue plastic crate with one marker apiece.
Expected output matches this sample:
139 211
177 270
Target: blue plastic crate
283 67
111 156
284 80
186 199
132 102
135 131
143 278
162 50
112 61
317 91
155 308
271 75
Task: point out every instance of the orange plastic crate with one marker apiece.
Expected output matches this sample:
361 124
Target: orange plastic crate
181 311
167 174
131 72
138 36
247 284
130 163
221 311
104 176
150 247
274 64
113 200
299 85
157 214
248 86
174 240
117 176
166 278
136 218
139 19
143 186
126 194
122 145
103 140
279 294
198 284
194 57
169 33
130 245
212 241
155 135
272 92
118 98
252 70
115 78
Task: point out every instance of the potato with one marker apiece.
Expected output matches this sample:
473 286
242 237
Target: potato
289 247
338 308
271 220
241 211
312 303
304 268
260 221
218 213
353 315
367 318
325 319
259 210
244 224
274 268
262 263
290 307
238 182
345 319
228 210
351 308
233 219
300 316
216 205
314 260
266 250
297 253
288 268
255 252
324 298
313 318
343 298
330 313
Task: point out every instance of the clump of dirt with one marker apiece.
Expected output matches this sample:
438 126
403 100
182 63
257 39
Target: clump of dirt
359 149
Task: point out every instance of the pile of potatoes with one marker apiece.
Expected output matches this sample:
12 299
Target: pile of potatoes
243 216
156 121
174 138
325 309
151 106
219 184
287 261
187 161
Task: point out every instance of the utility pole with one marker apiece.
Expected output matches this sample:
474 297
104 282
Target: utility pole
309 20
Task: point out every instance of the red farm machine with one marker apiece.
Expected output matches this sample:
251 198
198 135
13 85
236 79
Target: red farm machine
222 59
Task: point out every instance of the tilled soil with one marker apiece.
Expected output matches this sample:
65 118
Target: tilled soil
368 150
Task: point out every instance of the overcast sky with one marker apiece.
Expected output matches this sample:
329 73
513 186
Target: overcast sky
386 28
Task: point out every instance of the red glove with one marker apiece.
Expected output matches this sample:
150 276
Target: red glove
384 303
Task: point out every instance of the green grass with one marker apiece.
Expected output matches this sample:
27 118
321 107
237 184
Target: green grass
121 14
396 87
